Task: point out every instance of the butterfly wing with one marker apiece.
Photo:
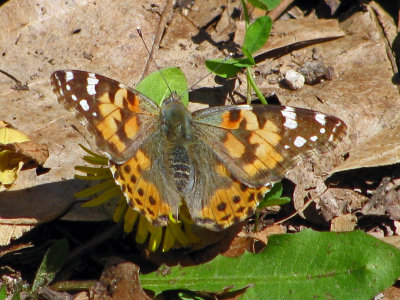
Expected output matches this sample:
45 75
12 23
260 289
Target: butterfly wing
218 200
146 184
119 117
126 126
258 144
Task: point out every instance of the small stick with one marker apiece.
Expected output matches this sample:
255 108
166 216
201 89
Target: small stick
18 84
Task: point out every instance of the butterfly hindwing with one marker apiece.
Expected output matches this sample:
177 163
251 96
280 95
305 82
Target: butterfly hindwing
146 184
259 143
119 117
218 199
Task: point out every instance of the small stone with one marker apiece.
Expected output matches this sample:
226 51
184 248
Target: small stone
294 80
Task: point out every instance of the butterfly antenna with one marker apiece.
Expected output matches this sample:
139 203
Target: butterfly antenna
139 31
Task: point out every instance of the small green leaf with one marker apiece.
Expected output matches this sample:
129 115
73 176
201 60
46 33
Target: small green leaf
248 55
275 201
257 34
273 197
227 68
155 87
3 292
223 68
51 264
16 296
305 265
265 4
245 62
275 191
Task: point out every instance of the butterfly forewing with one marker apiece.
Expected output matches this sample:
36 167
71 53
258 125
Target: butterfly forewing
259 143
119 117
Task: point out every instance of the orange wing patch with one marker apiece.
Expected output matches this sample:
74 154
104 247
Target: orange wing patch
228 206
112 120
256 150
233 119
141 194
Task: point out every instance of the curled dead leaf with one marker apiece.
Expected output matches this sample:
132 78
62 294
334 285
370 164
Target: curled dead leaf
17 151
38 153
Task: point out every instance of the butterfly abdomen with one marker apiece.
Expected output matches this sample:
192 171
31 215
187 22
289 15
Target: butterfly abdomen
180 166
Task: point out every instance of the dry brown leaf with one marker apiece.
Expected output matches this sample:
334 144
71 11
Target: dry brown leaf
379 150
119 280
30 150
343 223
393 240
262 235
12 232
392 293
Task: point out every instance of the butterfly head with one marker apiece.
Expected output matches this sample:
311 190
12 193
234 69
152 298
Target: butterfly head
176 120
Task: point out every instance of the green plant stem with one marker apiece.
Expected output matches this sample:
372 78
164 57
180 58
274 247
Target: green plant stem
254 86
248 91
245 13
70 285
257 218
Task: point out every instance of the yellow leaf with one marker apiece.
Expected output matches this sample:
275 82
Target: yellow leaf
10 162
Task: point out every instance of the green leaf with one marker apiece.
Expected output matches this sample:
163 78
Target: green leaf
248 55
223 68
273 197
16 296
265 4
3 292
155 87
305 265
257 34
227 68
51 264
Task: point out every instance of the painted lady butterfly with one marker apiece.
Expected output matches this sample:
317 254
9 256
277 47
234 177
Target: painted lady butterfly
219 160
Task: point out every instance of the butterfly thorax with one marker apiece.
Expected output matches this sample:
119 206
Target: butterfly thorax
176 124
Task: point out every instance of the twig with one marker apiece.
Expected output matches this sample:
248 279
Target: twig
18 84
157 38
277 11
302 208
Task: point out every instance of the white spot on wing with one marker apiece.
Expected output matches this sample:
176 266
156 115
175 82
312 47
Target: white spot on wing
314 138
68 87
74 97
91 89
299 141
322 130
69 76
288 108
289 123
94 114
84 104
320 118
290 118
93 81
286 147
61 92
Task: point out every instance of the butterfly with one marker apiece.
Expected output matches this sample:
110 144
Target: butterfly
220 161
